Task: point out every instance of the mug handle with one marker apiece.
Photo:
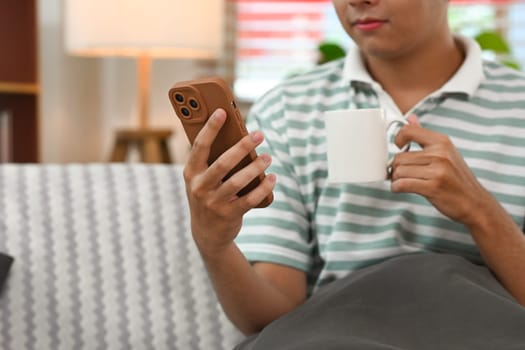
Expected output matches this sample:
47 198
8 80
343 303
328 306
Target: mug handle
405 148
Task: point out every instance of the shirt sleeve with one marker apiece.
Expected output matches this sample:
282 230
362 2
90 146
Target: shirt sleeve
279 233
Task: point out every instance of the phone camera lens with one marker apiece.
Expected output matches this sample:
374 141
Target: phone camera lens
185 112
179 98
194 104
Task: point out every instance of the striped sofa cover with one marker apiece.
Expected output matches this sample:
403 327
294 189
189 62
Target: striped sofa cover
103 260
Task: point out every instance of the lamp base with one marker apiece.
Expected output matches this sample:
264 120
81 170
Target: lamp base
152 145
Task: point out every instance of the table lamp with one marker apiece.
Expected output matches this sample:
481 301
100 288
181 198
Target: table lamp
144 29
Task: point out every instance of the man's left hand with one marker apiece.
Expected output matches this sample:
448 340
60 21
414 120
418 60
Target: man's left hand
439 173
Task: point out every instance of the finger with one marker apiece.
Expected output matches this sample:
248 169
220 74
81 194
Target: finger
412 158
243 177
413 120
200 150
257 195
410 185
417 134
229 159
422 172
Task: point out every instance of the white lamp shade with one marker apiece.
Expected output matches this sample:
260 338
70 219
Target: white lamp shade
158 28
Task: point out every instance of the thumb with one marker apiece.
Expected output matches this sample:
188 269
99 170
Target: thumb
413 120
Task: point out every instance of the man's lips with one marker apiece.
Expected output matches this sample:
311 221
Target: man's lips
369 24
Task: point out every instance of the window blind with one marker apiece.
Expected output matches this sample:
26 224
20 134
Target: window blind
278 38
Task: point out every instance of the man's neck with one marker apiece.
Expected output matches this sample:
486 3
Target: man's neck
414 76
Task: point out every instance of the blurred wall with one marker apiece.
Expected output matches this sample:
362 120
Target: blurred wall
69 101
84 99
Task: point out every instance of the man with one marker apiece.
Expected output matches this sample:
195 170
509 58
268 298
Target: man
461 192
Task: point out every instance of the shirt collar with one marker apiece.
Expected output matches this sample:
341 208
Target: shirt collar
466 80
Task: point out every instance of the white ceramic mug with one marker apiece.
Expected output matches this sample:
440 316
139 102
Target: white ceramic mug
357 147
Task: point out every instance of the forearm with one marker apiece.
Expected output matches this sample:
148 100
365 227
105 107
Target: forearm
502 245
250 300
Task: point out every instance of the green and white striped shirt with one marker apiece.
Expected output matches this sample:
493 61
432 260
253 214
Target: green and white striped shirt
331 230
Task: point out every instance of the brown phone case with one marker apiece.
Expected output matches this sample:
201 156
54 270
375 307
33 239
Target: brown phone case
194 101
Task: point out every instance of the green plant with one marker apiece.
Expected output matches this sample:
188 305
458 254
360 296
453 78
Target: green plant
493 42
329 51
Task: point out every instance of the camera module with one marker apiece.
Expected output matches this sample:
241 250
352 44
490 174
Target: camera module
185 112
179 98
194 104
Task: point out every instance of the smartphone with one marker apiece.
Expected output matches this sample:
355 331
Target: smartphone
194 101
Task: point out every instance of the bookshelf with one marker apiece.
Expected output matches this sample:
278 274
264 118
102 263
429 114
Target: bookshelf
19 87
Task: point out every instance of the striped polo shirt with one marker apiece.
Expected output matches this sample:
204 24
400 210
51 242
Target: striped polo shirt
329 230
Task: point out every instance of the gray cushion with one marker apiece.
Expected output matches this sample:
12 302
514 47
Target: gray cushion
103 260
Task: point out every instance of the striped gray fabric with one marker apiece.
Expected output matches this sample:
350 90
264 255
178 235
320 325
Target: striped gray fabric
103 260
331 230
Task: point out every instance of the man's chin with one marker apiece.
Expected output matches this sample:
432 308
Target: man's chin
381 51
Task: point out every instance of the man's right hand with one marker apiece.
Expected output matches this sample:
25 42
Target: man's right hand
216 211
251 295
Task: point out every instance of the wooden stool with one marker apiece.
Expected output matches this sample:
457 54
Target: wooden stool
152 145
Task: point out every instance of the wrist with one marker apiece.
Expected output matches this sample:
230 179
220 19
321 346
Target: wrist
214 242
214 252
485 215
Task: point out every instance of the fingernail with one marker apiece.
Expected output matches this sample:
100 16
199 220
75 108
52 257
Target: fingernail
266 158
413 119
217 115
256 136
272 178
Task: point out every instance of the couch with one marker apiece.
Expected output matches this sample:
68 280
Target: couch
103 260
